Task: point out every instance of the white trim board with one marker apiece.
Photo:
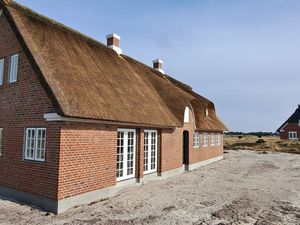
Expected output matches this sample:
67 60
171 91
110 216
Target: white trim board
54 117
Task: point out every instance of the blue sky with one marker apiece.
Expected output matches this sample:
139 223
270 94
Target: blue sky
244 55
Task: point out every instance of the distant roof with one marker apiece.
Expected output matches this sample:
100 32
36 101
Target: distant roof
294 118
86 79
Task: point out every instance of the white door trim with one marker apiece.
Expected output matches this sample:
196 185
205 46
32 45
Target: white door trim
125 154
149 150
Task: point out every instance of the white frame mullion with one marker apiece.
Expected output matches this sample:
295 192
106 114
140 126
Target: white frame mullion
125 154
212 139
205 140
196 139
150 150
28 147
293 135
34 147
1 71
13 68
41 147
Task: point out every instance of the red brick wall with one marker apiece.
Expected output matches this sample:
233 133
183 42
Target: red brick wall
23 104
172 144
87 158
290 127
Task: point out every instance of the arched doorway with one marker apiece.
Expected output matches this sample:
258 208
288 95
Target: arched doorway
185 147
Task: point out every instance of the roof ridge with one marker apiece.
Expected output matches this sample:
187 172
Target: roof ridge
62 26
53 22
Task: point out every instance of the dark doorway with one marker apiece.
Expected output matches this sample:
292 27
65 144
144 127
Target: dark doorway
185 147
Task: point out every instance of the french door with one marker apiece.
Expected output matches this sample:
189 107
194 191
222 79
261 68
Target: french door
150 151
126 148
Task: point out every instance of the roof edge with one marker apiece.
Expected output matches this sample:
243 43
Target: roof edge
28 54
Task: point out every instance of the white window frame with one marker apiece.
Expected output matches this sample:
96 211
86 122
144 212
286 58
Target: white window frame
196 139
187 115
1 70
1 142
125 154
35 146
13 68
219 139
205 139
149 150
212 139
293 135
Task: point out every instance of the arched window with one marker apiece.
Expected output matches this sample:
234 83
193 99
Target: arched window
187 115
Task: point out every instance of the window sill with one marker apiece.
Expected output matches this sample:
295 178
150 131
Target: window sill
34 161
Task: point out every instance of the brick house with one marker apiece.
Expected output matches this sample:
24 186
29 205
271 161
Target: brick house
79 119
290 129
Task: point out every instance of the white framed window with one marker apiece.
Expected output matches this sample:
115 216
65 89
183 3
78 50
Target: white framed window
13 68
187 115
196 139
205 139
1 141
126 150
219 139
150 151
212 139
35 144
1 71
293 135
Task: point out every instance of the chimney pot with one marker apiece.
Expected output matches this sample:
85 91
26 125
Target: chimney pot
158 65
113 42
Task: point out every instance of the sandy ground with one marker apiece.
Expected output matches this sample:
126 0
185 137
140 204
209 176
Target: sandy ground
272 143
244 188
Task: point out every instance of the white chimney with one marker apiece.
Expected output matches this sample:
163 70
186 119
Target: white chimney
113 41
158 65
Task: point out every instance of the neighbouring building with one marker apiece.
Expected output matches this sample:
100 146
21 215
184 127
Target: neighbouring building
79 119
290 129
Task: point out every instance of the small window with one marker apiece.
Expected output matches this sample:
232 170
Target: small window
35 144
292 135
212 139
196 139
219 139
13 68
1 141
187 115
1 70
206 112
205 139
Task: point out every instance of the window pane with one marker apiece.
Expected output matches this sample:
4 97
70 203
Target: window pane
120 151
35 144
13 69
146 134
40 144
1 71
196 139
150 151
130 153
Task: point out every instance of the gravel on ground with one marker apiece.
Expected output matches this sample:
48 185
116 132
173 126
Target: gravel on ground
244 188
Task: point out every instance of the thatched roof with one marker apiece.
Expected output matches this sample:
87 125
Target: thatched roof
86 79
